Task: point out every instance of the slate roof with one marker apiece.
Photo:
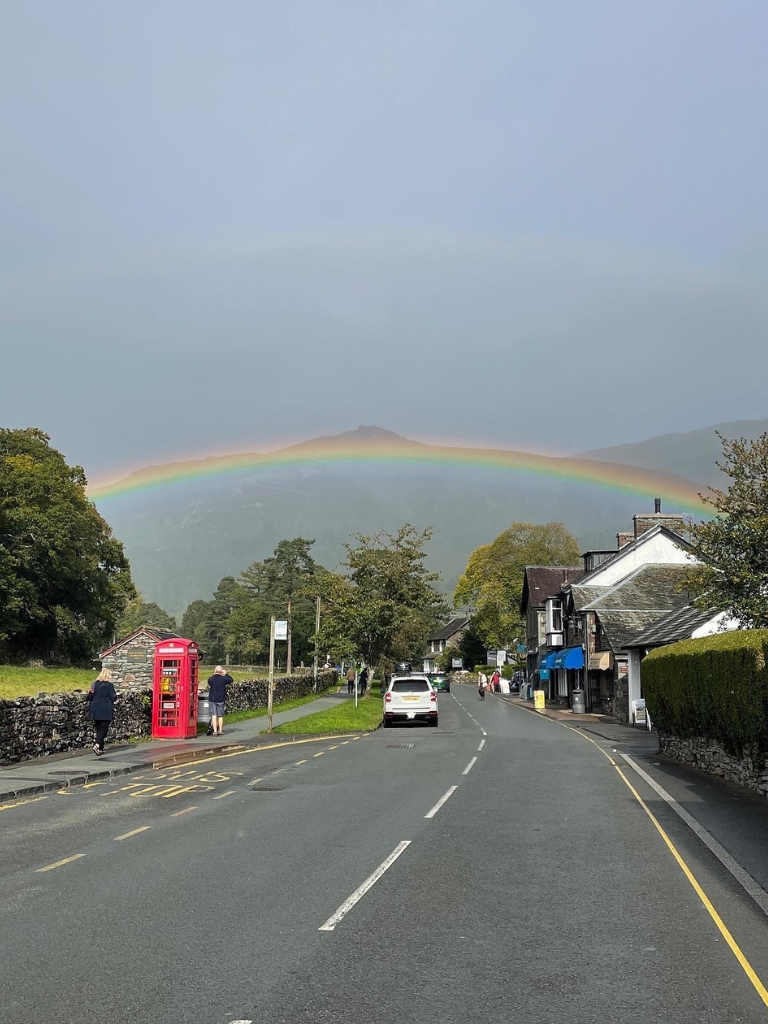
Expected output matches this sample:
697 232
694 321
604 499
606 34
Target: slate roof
543 581
621 626
678 625
582 595
450 629
651 587
157 634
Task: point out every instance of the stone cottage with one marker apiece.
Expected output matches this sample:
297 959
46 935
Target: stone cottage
131 658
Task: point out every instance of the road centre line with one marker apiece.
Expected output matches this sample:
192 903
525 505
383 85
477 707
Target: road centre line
470 766
20 803
184 810
60 863
297 763
319 753
482 744
127 835
745 880
441 801
222 795
370 881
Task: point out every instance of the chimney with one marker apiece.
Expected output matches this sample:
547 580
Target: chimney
622 539
674 521
657 506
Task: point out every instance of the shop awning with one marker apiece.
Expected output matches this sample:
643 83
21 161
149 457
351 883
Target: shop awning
570 657
548 660
602 661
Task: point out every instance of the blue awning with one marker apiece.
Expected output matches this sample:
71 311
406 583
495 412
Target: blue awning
570 657
548 660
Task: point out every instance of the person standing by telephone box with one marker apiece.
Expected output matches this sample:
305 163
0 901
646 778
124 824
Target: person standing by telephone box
174 689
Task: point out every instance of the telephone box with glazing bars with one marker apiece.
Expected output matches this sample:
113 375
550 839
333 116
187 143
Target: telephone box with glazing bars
174 689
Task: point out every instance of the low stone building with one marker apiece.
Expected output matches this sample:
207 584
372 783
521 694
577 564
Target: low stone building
131 659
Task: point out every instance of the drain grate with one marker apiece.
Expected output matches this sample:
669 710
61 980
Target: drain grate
401 746
267 789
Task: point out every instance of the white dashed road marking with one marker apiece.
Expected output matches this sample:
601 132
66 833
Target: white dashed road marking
469 767
441 801
482 744
370 881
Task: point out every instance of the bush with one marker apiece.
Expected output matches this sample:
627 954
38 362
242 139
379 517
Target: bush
715 687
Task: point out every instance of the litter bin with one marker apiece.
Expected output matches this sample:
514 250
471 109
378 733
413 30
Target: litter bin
203 708
529 691
578 703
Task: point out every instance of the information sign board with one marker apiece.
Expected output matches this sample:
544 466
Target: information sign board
281 629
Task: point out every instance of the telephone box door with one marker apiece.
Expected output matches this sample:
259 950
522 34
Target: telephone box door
174 691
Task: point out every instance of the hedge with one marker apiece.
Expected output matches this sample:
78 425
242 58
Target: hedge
715 687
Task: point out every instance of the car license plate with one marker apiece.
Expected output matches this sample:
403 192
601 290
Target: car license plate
408 697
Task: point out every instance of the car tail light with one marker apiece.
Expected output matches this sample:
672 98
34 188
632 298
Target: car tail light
433 696
387 697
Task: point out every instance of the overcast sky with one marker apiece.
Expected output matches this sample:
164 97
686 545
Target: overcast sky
521 222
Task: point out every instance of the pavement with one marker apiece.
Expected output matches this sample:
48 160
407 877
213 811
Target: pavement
83 767
597 725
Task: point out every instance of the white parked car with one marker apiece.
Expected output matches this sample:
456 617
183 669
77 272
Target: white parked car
410 699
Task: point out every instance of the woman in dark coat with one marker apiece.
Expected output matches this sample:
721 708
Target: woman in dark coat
101 698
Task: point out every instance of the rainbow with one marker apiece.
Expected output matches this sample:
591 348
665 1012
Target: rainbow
390 449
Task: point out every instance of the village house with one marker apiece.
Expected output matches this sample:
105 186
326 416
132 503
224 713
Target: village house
131 659
448 635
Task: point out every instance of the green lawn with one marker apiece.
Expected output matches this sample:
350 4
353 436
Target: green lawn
28 682
241 716
345 718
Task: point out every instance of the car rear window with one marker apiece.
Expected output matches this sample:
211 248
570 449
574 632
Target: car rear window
410 685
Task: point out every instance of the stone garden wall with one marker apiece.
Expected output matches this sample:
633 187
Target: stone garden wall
49 723
709 756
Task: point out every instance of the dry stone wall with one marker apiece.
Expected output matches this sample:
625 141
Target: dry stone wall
50 723
709 756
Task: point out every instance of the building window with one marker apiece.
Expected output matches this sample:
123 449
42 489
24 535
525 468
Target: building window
554 615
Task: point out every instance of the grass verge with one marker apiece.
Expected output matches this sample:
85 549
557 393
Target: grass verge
28 682
242 716
345 718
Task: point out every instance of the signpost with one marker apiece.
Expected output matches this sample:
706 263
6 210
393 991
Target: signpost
278 630
457 663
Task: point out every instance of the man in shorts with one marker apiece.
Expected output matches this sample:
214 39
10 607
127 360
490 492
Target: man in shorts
217 698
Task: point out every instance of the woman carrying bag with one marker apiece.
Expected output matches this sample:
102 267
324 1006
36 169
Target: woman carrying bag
101 699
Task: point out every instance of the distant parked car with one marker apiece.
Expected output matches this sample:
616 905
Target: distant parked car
440 682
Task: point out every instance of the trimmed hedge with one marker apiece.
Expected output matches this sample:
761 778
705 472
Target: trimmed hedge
715 687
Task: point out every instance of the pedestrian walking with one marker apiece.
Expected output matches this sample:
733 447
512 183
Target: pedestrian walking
217 698
363 682
496 681
351 679
482 682
101 700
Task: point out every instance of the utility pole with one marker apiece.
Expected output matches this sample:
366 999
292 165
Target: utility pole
317 630
270 694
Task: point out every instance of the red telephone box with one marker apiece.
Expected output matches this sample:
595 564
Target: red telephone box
174 689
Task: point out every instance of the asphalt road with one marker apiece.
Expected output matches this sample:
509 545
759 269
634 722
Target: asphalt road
539 891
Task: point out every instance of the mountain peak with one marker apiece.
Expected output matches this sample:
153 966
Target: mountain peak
374 433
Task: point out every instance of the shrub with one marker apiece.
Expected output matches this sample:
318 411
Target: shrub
715 687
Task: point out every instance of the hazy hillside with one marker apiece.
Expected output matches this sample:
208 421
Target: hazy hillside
692 454
182 538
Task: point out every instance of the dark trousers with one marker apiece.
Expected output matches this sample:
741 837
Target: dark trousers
102 728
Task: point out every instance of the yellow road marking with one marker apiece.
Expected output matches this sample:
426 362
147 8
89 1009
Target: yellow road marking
60 863
143 790
269 746
20 803
734 947
184 810
168 791
300 762
719 923
119 839
90 785
63 792
222 795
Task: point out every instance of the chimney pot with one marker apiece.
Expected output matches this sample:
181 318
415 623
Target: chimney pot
657 505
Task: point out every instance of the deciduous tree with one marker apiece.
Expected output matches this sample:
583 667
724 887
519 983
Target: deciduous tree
733 546
64 578
491 586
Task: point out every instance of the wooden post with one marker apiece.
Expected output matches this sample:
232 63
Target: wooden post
317 630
